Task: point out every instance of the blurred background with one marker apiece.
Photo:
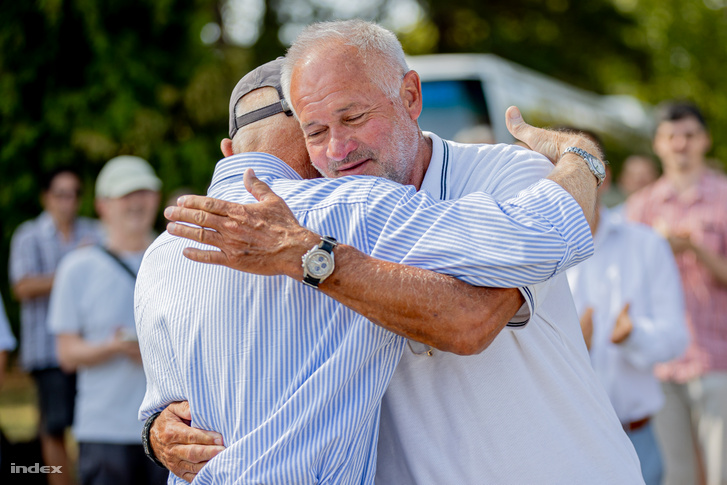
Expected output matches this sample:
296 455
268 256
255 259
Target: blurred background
82 81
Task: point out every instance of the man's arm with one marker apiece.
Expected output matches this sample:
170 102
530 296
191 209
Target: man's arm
74 351
571 171
33 287
432 308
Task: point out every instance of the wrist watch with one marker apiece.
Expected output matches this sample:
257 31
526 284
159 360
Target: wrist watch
597 167
148 451
318 263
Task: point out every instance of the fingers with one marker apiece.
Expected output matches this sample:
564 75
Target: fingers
259 189
205 256
206 204
199 234
199 217
626 308
180 409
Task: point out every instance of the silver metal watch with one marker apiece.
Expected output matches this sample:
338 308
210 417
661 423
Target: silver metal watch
597 167
318 263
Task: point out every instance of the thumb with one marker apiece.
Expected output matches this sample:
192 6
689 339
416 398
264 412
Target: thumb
515 123
626 308
180 409
259 189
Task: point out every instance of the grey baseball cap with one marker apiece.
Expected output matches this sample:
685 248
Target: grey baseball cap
267 75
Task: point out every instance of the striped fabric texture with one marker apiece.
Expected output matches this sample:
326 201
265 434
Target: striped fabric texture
35 250
290 378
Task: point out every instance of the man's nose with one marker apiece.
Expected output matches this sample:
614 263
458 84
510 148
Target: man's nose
340 144
679 143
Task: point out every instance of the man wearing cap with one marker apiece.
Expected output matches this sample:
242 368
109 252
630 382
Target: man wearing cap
92 315
292 380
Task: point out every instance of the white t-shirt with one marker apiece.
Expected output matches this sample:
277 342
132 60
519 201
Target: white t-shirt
527 410
93 296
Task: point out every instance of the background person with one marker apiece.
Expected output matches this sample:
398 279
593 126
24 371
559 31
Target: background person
630 323
688 206
637 172
92 314
36 248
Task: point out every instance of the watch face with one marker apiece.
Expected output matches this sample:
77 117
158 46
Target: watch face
319 264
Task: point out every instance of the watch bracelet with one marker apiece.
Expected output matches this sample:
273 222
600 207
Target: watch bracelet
145 441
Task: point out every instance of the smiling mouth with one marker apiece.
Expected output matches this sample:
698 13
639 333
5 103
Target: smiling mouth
352 167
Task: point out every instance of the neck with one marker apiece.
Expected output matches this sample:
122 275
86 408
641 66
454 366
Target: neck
423 158
684 180
65 227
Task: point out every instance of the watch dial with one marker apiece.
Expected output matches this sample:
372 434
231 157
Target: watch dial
318 265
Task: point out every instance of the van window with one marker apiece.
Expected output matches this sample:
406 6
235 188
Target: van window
450 106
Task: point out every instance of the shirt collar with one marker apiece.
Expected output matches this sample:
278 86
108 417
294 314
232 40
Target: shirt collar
266 166
435 176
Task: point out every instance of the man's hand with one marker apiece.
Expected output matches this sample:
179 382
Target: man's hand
236 230
623 327
550 143
570 172
183 450
587 326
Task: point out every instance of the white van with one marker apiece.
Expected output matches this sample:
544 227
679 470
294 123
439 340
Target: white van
462 90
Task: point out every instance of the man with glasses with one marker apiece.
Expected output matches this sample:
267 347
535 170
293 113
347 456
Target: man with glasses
35 251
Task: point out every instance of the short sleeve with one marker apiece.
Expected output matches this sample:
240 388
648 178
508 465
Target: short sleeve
63 313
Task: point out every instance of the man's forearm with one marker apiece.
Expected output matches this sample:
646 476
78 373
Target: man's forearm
422 305
33 287
572 173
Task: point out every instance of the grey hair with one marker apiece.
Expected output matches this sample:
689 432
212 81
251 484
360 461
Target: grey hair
387 62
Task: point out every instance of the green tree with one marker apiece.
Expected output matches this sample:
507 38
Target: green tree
82 81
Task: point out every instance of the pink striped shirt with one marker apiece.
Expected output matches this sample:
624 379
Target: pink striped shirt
702 212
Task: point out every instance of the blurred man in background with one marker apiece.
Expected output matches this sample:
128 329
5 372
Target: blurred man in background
688 206
637 172
92 314
35 251
629 322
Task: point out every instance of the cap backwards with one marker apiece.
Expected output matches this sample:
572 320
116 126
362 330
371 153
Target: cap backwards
267 75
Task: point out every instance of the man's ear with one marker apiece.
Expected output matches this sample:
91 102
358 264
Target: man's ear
226 147
411 94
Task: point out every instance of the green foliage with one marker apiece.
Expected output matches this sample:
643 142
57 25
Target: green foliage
655 50
82 81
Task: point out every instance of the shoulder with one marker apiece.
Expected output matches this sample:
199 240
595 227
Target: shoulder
318 194
26 230
81 259
501 169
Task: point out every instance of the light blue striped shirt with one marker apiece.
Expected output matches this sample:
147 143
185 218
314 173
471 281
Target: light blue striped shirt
35 250
292 379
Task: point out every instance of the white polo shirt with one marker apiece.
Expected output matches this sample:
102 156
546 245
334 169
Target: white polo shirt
527 410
